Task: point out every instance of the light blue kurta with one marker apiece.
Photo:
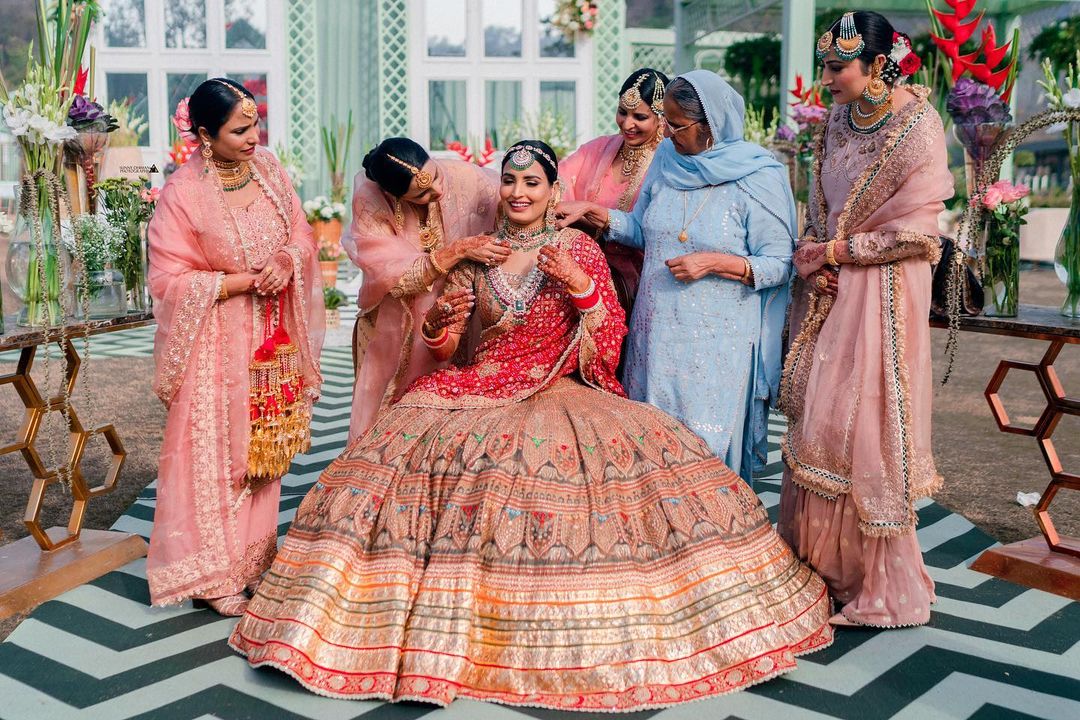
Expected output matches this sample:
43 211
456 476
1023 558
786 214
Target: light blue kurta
695 348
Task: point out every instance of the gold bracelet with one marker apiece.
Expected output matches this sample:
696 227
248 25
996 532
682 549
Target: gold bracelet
435 264
223 292
748 272
830 252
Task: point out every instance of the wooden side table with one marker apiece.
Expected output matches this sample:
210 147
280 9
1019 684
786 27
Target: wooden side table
54 560
1050 561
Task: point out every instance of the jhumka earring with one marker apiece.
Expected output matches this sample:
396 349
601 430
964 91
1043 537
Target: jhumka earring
876 91
423 177
553 202
206 151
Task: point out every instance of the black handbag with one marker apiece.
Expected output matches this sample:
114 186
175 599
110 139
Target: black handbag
971 292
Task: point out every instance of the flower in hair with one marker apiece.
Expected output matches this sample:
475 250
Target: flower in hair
181 120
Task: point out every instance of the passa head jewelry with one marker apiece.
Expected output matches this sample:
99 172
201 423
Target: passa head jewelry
848 44
248 108
423 177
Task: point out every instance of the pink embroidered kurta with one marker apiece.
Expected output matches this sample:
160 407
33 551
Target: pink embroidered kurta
389 351
211 535
586 175
857 381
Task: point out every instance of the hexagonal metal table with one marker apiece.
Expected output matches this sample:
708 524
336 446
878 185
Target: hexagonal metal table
1050 561
53 560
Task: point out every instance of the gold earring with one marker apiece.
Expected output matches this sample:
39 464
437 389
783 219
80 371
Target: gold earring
206 151
876 91
553 202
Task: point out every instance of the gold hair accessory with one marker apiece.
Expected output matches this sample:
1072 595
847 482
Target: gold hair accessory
248 108
423 177
850 43
824 44
515 155
657 103
632 97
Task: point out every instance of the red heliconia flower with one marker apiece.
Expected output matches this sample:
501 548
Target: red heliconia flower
80 81
994 55
961 31
962 7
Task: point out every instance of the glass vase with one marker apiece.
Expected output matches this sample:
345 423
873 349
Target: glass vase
979 141
1001 267
34 258
1067 256
107 296
133 266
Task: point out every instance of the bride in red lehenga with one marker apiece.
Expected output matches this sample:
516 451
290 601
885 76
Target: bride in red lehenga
515 530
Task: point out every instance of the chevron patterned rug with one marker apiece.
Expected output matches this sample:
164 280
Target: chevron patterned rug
991 650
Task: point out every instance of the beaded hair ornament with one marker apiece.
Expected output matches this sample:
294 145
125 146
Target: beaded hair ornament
849 45
520 157
423 177
632 97
247 106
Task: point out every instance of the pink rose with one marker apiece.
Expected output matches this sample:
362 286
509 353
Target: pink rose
181 120
149 195
1012 193
992 197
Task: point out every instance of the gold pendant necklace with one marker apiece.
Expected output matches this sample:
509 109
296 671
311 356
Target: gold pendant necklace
631 158
430 231
683 236
234 175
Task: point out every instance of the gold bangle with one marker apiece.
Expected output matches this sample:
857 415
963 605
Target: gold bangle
223 292
830 252
435 264
748 272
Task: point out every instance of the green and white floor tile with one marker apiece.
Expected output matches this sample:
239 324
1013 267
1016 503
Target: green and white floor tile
992 649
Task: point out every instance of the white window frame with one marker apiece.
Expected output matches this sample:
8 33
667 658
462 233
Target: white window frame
157 61
476 69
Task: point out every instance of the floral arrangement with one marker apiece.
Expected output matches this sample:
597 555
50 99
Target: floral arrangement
1063 98
972 103
808 112
322 209
88 116
102 242
36 115
1005 209
127 204
756 130
329 250
990 71
334 298
554 128
292 164
481 158
129 124
574 16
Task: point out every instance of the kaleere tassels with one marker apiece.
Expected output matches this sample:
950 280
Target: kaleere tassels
280 415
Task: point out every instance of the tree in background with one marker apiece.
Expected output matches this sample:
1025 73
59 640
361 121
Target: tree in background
1057 42
16 32
754 65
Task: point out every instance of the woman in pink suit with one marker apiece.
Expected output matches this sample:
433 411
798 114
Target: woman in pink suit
414 219
230 250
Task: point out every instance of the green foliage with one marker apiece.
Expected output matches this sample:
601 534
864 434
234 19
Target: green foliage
334 298
754 63
1057 42
130 124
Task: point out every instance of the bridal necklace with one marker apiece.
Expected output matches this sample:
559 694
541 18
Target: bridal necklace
525 239
234 175
875 119
683 236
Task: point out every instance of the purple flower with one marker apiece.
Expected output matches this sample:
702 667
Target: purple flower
806 116
785 134
972 102
88 116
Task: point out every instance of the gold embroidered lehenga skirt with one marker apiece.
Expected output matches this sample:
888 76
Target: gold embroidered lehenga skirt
574 550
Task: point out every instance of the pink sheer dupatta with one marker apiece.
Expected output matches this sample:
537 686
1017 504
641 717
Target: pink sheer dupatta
389 351
211 535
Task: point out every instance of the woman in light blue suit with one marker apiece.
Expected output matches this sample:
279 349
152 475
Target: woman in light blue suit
716 220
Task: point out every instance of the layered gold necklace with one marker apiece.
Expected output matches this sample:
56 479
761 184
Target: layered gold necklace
234 175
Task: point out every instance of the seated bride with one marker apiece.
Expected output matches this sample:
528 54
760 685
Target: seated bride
515 530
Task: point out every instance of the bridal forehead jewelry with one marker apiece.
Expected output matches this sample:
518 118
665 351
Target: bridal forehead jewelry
247 106
632 97
423 177
522 156
849 45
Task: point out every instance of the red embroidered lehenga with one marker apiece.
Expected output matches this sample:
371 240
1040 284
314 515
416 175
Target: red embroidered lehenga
515 530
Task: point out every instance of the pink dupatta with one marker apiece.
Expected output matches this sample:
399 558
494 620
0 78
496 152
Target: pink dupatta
211 534
857 380
390 353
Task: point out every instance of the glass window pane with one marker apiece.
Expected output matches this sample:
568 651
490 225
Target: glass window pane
125 23
503 109
553 43
502 28
185 24
180 86
256 85
446 112
245 24
130 89
558 98
445 28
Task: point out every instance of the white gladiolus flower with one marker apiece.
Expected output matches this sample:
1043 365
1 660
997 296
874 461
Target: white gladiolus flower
1057 128
1071 99
59 133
